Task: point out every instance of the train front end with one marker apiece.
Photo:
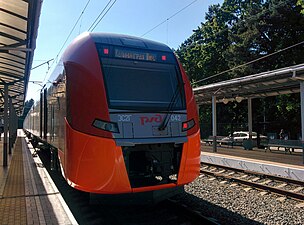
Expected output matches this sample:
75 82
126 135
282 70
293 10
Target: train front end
132 123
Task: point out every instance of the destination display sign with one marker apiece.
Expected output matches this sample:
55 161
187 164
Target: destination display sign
136 55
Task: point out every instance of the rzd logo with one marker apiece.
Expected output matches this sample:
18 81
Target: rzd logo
157 118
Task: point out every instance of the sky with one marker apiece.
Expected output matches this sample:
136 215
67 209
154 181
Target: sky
131 17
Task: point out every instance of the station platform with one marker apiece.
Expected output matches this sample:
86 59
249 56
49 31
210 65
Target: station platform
275 162
27 193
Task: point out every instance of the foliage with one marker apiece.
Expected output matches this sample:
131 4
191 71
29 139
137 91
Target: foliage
242 31
301 3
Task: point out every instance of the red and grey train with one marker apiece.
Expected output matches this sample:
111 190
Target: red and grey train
122 115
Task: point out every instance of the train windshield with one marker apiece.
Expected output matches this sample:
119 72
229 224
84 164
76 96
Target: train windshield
142 85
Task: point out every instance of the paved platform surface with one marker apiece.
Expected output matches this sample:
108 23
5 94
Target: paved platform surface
275 162
27 193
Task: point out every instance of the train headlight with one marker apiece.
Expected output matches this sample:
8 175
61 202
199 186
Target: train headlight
188 125
105 125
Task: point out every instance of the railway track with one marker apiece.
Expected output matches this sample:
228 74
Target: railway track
167 212
268 183
195 216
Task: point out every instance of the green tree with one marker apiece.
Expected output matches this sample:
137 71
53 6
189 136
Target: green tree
202 53
301 3
241 31
266 29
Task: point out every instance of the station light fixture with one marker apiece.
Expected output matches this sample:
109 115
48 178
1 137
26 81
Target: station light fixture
239 99
225 100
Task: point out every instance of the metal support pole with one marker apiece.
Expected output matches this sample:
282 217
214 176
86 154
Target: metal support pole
45 116
214 123
5 118
302 116
41 113
250 121
15 125
10 127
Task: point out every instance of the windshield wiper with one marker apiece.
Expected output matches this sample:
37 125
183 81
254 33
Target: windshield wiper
172 103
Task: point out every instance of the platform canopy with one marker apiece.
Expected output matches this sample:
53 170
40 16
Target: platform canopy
272 83
18 32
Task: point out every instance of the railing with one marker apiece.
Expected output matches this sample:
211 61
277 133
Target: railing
219 141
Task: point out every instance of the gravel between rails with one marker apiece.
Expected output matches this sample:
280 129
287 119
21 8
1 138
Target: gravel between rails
234 205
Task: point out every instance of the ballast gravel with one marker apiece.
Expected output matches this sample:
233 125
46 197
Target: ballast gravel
237 204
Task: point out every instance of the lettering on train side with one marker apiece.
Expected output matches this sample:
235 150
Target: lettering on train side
156 118
124 118
176 118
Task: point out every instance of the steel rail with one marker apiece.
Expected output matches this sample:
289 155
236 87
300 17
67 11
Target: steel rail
186 211
285 179
257 185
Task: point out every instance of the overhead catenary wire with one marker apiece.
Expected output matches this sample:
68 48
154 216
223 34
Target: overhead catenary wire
248 63
99 15
46 62
166 20
74 26
81 14
92 27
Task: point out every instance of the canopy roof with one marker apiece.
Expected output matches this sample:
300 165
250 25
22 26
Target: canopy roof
18 32
271 83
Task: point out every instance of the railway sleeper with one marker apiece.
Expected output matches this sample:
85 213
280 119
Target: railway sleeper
260 186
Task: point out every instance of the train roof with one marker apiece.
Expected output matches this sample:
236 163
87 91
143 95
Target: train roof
128 41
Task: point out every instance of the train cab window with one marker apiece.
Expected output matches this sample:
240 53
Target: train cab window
142 85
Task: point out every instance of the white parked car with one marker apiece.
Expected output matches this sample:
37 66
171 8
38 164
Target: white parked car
239 136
